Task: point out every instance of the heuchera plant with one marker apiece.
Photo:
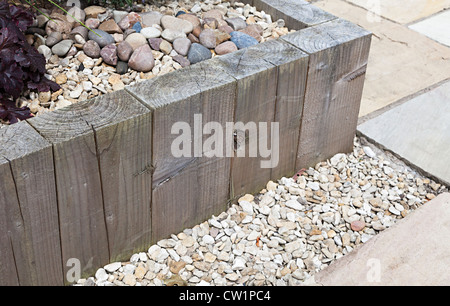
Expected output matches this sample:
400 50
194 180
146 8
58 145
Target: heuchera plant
21 66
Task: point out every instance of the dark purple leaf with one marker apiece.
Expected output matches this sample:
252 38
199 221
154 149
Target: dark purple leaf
10 37
21 66
36 60
5 14
9 111
11 79
43 85
21 17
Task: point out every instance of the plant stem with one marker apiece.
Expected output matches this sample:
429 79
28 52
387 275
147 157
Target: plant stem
73 17
38 10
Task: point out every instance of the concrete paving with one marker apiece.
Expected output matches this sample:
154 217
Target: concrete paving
403 11
418 131
402 61
413 252
406 108
436 27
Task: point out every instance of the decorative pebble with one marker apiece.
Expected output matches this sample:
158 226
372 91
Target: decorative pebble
208 38
45 51
357 225
137 27
170 34
151 18
62 48
124 51
242 40
165 46
122 67
109 54
110 26
173 23
150 32
182 45
236 23
142 59
183 61
288 238
155 43
101 37
53 38
198 53
180 13
136 40
91 49
99 45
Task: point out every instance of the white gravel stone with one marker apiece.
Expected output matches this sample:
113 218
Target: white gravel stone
101 275
246 206
313 185
239 263
112 267
215 223
74 94
279 237
207 239
394 210
129 269
369 152
253 235
143 257
294 204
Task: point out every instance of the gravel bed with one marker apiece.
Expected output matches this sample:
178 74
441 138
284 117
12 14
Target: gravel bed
135 46
286 233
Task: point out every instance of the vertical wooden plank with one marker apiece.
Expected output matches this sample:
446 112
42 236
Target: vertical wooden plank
87 140
337 63
292 67
8 202
80 202
189 188
125 155
255 104
297 14
30 206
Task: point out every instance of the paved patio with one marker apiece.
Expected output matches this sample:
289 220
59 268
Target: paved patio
412 252
406 109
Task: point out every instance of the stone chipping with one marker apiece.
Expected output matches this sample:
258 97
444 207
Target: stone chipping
176 34
287 232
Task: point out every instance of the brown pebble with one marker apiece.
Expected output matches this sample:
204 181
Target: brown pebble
358 225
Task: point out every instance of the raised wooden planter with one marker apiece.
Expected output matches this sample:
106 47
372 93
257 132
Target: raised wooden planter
97 182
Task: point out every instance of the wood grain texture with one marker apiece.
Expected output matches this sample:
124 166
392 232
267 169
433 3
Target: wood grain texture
297 14
92 143
337 64
125 156
30 207
9 206
249 2
187 189
292 67
255 103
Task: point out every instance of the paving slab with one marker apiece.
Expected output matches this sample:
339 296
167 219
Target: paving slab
403 11
417 130
402 61
436 27
413 252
